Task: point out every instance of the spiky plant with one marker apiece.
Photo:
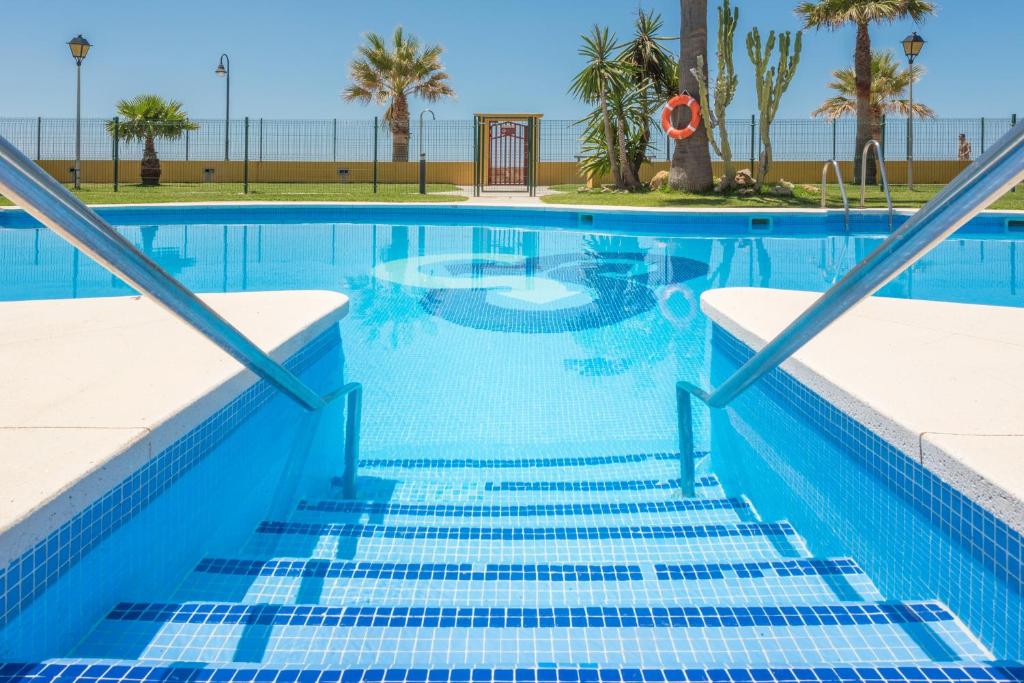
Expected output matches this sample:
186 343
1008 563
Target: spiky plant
146 119
389 74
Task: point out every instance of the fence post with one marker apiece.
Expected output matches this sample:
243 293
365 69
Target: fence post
245 161
261 138
982 135
186 144
1013 122
882 141
39 138
375 124
753 142
334 144
835 137
117 151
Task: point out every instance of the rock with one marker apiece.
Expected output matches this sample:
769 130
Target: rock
720 185
659 180
746 192
783 189
744 179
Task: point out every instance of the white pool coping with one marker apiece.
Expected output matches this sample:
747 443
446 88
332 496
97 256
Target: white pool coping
942 382
91 389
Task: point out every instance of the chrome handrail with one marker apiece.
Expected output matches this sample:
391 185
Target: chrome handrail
832 163
864 177
980 184
49 202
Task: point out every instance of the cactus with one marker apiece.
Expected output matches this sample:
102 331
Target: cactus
725 90
771 82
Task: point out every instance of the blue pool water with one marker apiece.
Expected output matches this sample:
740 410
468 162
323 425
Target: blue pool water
519 504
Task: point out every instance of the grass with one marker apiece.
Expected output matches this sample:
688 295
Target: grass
806 197
296 192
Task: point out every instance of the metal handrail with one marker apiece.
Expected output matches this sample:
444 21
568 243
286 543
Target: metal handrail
49 202
864 177
842 190
981 183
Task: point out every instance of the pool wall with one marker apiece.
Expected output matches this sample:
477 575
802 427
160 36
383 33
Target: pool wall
848 490
630 221
149 530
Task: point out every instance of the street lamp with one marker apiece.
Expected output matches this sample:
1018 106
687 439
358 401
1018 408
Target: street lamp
912 46
79 49
224 69
423 155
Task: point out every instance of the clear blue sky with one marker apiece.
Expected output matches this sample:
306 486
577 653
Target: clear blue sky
290 59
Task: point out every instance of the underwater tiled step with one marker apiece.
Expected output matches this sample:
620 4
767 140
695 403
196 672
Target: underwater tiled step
337 583
129 671
580 544
506 490
678 511
286 635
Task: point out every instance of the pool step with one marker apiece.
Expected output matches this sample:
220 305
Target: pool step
60 671
581 544
623 513
373 636
339 583
521 490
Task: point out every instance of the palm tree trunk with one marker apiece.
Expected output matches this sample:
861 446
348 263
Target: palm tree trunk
629 177
691 160
149 170
609 139
400 128
862 76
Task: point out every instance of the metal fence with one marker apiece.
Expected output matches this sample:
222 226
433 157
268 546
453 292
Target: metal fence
337 157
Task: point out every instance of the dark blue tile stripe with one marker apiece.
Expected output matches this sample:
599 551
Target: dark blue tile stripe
121 673
627 485
497 463
528 510
756 570
525 617
527 534
28 576
421 572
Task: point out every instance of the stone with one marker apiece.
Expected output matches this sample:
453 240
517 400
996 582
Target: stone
744 179
783 189
659 180
720 185
746 192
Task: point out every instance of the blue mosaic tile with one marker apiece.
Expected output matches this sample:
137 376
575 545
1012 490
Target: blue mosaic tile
527 618
742 570
392 571
535 510
513 463
27 577
587 486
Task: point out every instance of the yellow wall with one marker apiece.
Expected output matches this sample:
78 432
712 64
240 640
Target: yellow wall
456 172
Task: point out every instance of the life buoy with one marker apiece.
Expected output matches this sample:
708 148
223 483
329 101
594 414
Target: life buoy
683 100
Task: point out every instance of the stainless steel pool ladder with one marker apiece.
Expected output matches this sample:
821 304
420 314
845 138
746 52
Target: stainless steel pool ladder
40 195
833 164
885 177
980 184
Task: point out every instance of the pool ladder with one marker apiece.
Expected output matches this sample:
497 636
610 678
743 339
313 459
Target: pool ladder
991 176
40 195
833 164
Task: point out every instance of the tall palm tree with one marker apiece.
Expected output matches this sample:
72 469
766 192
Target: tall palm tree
601 76
147 118
691 160
835 14
889 84
390 74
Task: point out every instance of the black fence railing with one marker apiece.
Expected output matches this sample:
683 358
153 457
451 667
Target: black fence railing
337 156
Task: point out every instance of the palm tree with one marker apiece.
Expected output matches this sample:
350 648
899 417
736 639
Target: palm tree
835 14
146 118
691 160
601 76
390 74
889 84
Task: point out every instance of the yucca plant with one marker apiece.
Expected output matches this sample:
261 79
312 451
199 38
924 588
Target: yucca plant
145 119
391 74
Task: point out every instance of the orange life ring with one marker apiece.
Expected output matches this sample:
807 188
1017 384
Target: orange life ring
666 117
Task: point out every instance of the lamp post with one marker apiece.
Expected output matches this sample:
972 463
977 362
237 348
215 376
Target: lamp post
423 155
912 46
224 69
79 49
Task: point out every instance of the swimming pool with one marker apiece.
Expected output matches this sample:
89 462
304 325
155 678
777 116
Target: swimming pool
519 365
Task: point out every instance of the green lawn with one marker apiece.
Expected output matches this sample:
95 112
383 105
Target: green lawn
296 192
806 197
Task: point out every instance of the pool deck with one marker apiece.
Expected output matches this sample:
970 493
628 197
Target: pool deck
91 389
942 382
